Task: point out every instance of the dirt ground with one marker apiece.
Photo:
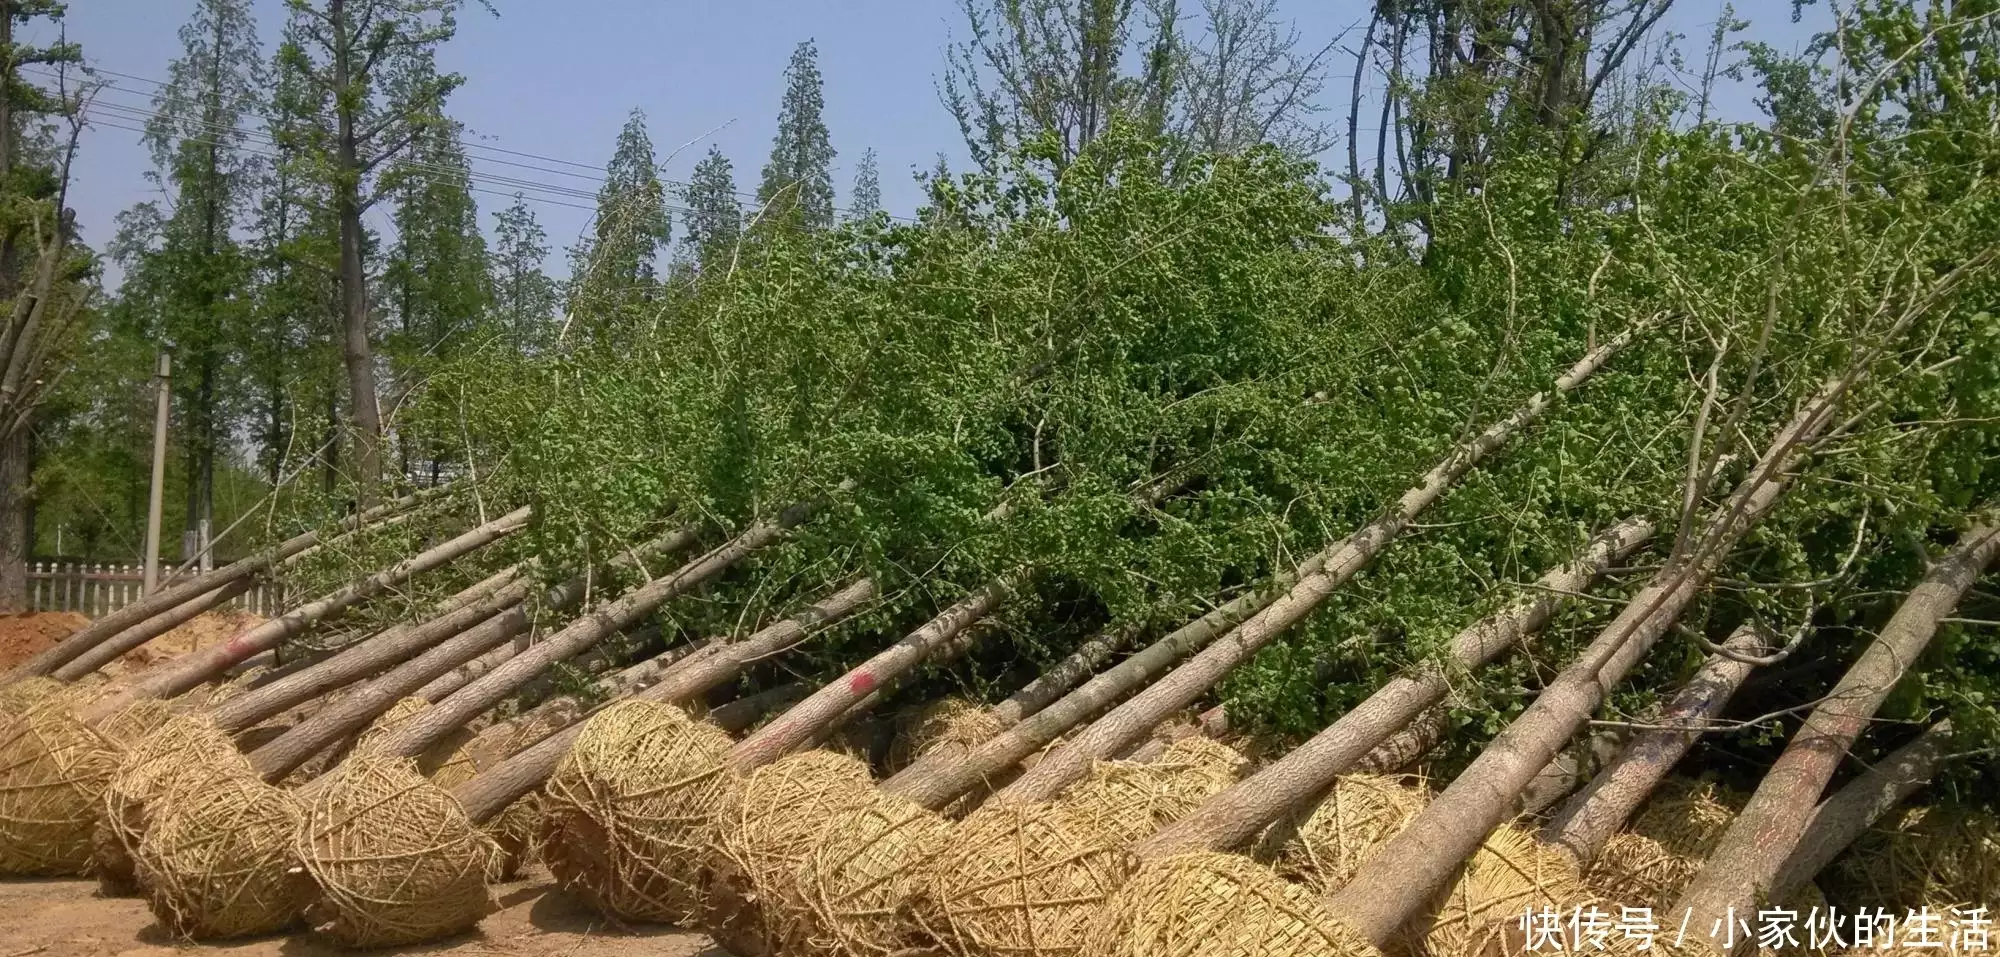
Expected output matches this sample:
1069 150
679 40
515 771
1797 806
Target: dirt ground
25 636
68 918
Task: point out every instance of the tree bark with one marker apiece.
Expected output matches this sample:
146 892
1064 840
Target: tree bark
131 638
1399 751
1747 859
1841 818
490 792
386 649
140 612
801 723
357 344
1233 817
1598 811
1395 882
452 713
1132 720
15 548
206 663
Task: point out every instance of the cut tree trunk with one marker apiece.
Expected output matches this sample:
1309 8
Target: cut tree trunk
1595 813
1211 724
206 663
1841 818
1569 769
1400 751
285 753
118 645
1395 882
454 712
390 647
735 716
1132 720
1232 818
800 724
470 671
140 613
490 792
1747 859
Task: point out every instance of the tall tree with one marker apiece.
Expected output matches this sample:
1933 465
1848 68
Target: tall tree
798 180
524 297
866 198
436 275
618 264
186 274
714 216
375 61
38 272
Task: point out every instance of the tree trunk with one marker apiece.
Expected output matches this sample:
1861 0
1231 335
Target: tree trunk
491 791
1399 751
140 613
15 548
357 344
1590 817
1396 881
131 638
206 663
386 649
1036 695
1233 817
452 713
1569 769
1753 849
801 723
1841 818
1132 720
735 716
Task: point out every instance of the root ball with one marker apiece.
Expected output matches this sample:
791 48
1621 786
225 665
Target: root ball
765 832
394 856
953 725
1637 871
53 771
1217 905
1688 817
217 860
1021 880
1359 815
859 875
186 750
631 807
1479 913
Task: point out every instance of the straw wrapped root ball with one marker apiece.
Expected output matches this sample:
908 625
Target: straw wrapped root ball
186 750
1021 879
394 856
858 877
1924 855
19 697
516 834
53 771
1637 871
1207 904
1360 814
631 807
1479 913
950 725
763 835
1688 817
217 860
1122 801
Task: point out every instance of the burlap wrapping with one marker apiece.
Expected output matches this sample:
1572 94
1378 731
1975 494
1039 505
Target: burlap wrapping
631 807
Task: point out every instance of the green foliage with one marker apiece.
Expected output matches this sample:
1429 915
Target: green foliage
797 186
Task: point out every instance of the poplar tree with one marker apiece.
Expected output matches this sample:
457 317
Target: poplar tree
524 297
617 266
797 186
866 199
186 274
714 216
375 61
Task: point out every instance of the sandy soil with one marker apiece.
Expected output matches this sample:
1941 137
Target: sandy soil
68 918
25 636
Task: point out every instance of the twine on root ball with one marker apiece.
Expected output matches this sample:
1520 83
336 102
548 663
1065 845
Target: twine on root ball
394 856
763 834
630 808
1923 855
53 771
1637 871
187 749
121 730
1122 801
1688 817
951 725
1021 880
1479 912
1360 814
516 833
218 861
859 875
27 693
1208 904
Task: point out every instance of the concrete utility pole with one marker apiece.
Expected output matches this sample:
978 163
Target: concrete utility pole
163 375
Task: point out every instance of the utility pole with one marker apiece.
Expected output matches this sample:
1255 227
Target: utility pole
155 502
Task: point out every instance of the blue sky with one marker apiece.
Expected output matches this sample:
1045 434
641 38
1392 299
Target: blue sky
557 77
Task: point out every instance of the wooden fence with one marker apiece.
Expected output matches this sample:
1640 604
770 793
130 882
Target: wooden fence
98 589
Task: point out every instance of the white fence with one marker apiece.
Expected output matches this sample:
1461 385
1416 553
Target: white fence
98 589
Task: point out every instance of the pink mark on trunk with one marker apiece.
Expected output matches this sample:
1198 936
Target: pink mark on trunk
861 683
238 648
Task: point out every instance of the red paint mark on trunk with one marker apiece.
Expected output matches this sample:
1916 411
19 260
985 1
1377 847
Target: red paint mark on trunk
238 649
861 683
